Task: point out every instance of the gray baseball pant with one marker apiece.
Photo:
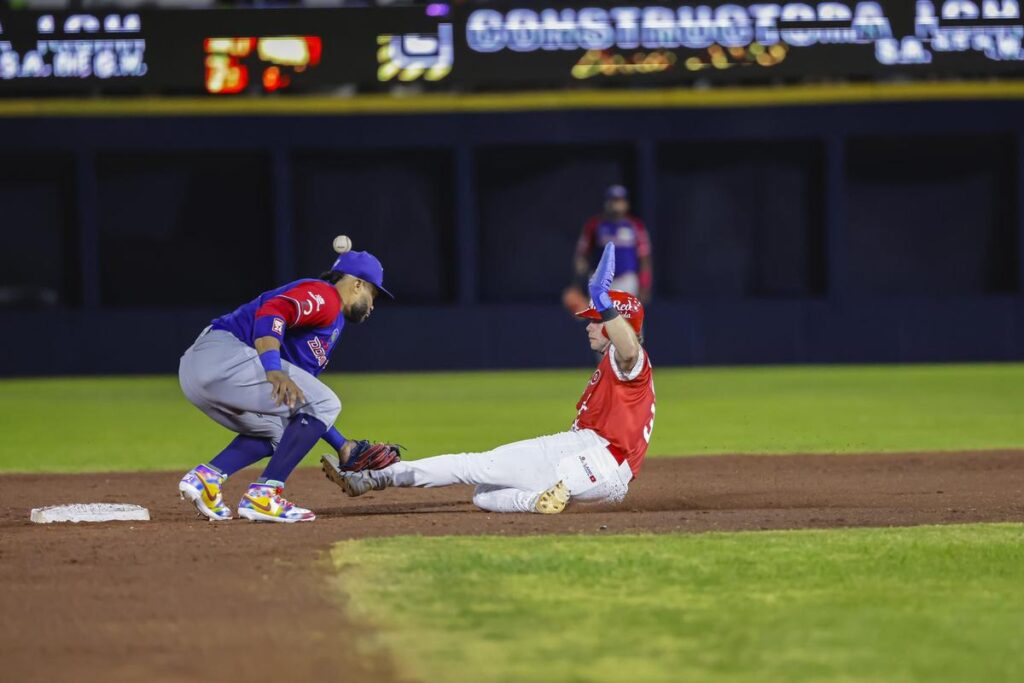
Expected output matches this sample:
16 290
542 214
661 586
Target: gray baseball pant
224 378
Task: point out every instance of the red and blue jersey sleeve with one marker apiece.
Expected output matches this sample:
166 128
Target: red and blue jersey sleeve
311 304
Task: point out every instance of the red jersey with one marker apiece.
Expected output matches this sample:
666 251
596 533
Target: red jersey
305 315
620 407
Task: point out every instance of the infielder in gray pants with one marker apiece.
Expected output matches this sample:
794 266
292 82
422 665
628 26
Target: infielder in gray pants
255 372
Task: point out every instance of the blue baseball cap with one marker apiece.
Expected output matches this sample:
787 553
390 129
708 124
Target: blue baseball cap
616 192
363 265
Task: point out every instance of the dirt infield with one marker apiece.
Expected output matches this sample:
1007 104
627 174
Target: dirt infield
181 599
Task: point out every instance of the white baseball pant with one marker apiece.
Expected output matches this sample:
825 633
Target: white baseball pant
511 477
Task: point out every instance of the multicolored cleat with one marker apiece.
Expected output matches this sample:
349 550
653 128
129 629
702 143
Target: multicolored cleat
264 503
202 487
552 501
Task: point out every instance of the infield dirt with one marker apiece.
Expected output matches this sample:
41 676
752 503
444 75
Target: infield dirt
179 599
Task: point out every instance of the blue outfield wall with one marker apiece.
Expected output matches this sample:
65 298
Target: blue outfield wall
525 336
794 234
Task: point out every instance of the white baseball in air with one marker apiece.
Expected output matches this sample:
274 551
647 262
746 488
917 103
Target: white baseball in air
342 244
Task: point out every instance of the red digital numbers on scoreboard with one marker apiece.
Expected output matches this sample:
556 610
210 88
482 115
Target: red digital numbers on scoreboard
277 58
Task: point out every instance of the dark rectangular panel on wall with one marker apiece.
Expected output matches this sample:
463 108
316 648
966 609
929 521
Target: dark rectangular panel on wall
931 215
533 202
740 220
184 229
38 261
399 205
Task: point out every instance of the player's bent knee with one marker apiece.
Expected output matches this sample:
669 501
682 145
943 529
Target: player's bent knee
327 408
480 494
484 502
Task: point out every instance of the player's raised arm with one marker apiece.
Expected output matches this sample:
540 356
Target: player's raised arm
621 334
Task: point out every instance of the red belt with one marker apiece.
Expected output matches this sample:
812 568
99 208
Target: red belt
617 453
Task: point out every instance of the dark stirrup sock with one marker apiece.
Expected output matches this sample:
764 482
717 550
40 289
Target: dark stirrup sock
240 453
301 434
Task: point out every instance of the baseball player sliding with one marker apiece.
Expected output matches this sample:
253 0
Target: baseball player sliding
592 462
255 372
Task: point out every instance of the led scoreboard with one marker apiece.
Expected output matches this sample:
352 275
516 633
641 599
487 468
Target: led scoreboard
77 48
219 52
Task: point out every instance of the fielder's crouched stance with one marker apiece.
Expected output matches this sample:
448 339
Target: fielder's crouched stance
255 372
593 462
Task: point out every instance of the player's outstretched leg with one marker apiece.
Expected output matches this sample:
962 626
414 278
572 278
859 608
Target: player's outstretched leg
537 475
525 465
440 470
494 498
202 485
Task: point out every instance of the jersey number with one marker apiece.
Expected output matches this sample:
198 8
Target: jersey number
314 300
650 426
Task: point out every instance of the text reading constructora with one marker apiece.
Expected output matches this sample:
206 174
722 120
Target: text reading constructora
729 25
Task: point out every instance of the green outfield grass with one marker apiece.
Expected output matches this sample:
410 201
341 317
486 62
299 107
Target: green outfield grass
928 604
145 423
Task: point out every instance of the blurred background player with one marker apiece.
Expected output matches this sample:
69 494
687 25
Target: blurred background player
255 372
592 462
633 271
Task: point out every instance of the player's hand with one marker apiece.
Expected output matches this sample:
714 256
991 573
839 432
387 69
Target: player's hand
601 280
284 389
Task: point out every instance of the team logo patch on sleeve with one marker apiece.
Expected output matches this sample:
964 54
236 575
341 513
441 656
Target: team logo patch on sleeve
278 326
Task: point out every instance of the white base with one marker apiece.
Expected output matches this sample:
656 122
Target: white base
90 512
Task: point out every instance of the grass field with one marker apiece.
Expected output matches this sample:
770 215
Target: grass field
141 423
929 604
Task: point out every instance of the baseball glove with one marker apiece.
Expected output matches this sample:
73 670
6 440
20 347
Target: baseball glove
372 456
